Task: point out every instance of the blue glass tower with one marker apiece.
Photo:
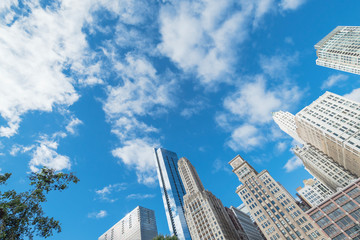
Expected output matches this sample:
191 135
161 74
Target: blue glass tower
172 191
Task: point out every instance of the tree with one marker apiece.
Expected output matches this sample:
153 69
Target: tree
21 214
162 237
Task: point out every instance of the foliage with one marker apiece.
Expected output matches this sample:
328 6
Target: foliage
162 237
21 214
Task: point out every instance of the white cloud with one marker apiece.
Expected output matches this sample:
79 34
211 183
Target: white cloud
277 66
245 137
291 4
139 196
16 148
45 155
198 36
292 164
138 154
354 95
71 127
254 101
42 47
107 192
100 214
281 146
334 79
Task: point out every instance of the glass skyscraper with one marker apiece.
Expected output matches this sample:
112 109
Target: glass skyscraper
172 191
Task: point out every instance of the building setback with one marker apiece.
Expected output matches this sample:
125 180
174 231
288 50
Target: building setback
324 168
139 224
172 191
340 49
205 214
273 208
314 192
339 215
332 124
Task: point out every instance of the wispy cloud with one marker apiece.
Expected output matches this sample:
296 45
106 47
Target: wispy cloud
107 193
333 80
293 164
71 127
100 214
139 196
291 4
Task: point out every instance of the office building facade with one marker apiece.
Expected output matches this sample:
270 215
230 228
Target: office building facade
332 125
139 224
274 209
314 192
251 231
340 49
172 191
324 168
205 214
339 215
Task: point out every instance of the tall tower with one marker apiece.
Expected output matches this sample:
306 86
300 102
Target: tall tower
324 168
273 208
340 49
332 124
286 122
139 224
172 191
205 214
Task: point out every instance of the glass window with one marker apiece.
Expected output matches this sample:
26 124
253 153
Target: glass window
331 230
317 214
344 222
356 215
350 206
336 214
341 199
340 237
353 231
322 222
353 192
328 207
357 199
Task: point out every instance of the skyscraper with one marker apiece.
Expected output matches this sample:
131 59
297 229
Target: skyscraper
274 209
286 122
139 224
340 49
205 214
251 230
314 192
322 167
172 191
332 124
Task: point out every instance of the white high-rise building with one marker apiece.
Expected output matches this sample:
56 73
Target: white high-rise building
340 49
273 208
139 224
172 190
314 192
332 124
286 122
324 168
204 213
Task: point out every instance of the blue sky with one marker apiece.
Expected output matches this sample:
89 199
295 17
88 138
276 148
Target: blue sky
91 86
